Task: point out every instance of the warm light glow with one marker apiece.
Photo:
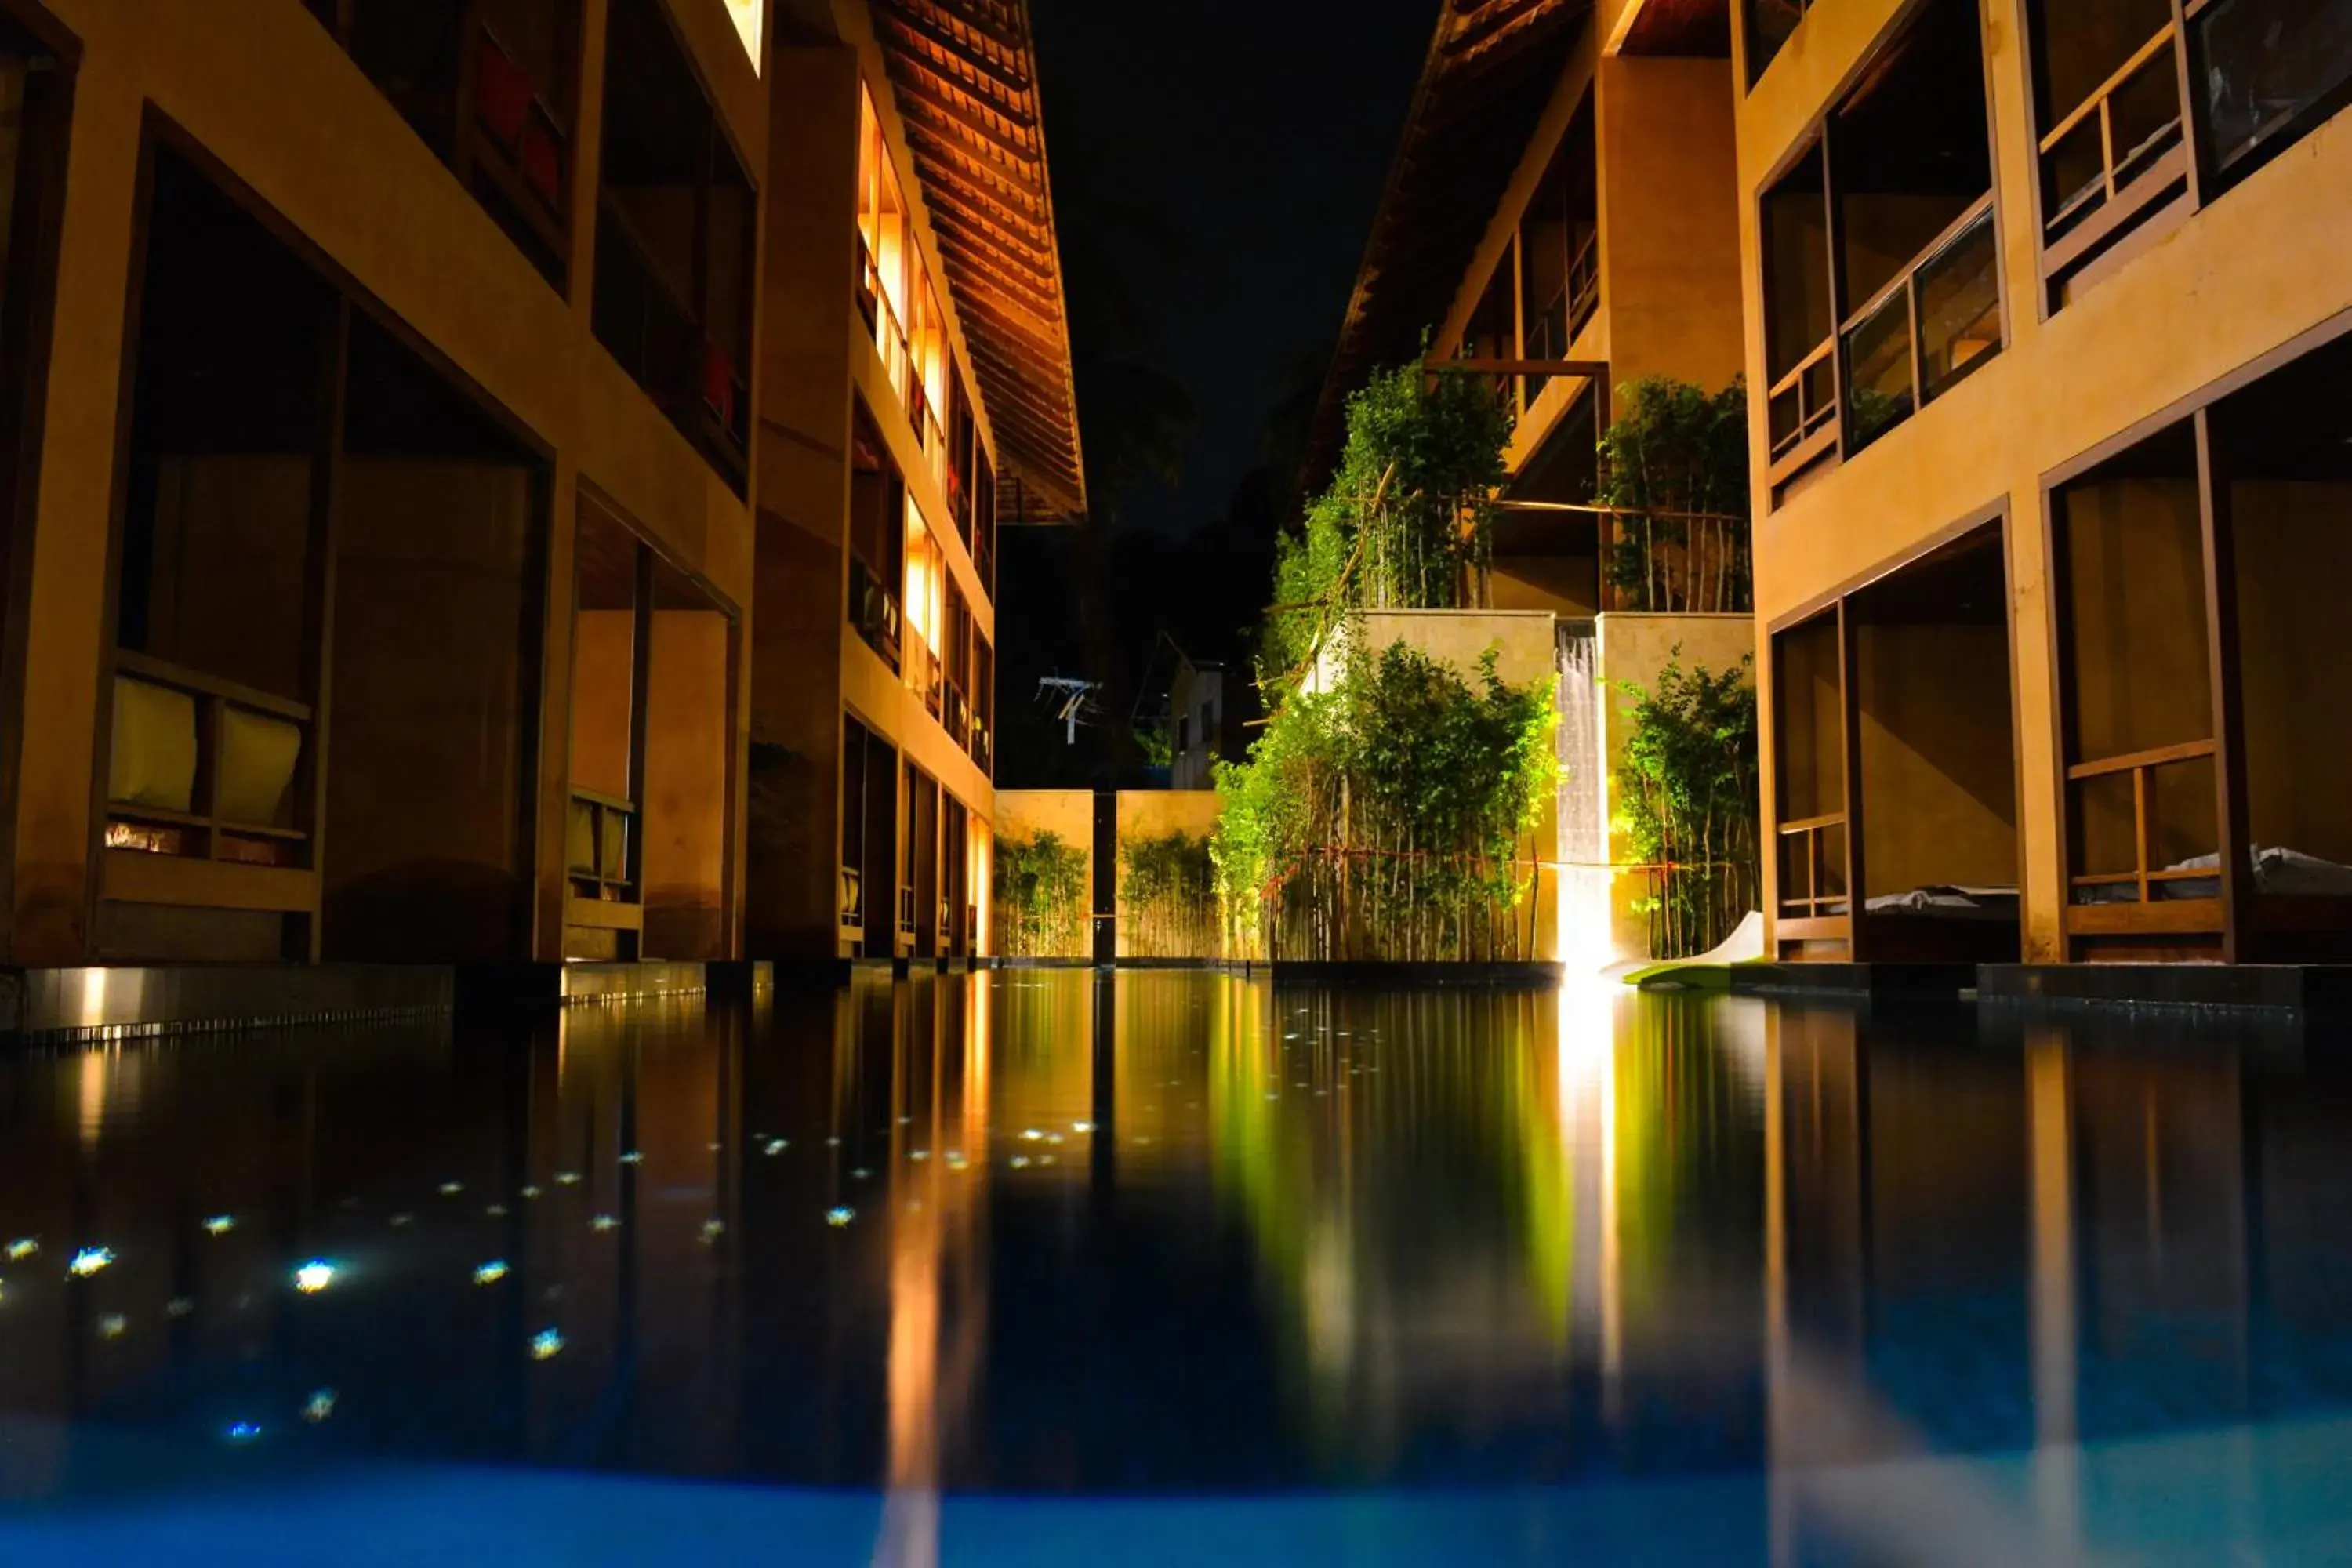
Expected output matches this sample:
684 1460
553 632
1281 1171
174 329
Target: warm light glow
750 17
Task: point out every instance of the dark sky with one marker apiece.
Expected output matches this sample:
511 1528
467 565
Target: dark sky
1260 131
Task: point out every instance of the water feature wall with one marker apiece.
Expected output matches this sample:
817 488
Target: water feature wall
1584 877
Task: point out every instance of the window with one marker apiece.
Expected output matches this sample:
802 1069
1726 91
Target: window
2271 69
1769 23
675 237
1909 304
229 614
895 294
1559 247
877 538
489 86
1802 372
1912 181
2108 107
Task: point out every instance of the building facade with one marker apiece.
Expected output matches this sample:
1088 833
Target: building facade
2047 305
386 396
917 391
378 542
1559 221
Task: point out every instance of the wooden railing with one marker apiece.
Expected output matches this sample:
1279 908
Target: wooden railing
2102 170
2144 880
853 899
1801 410
602 869
211 827
1812 841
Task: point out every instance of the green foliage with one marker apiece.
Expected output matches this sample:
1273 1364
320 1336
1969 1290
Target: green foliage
1675 464
1151 740
1040 894
1387 818
1687 788
1405 521
1168 898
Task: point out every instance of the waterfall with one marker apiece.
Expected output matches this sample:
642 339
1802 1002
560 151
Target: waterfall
1585 881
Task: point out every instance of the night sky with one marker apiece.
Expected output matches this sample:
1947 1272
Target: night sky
1260 132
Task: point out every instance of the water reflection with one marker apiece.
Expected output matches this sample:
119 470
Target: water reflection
1179 1233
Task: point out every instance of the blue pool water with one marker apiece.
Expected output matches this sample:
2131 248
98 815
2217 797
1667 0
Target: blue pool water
1048 1267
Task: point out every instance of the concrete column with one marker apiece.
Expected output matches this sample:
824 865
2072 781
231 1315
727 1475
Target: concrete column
72 612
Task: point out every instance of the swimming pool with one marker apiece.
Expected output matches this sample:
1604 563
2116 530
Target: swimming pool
1049 1266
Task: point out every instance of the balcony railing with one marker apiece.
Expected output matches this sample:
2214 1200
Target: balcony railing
1802 411
599 829
853 899
956 713
2113 156
898 365
205 768
520 148
922 667
653 333
2157 778
1925 329
873 612
1813 868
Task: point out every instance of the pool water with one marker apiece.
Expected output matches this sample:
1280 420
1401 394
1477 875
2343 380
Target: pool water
1049 1266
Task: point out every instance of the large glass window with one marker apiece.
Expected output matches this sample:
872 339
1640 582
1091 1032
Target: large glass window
2269 69
1769 23
490 85
877 539
1798 319
217 597
1912 181
1560 245
897 294
675 239
2283 454
1907 302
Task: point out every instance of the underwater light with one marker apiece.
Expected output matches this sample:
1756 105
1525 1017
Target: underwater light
89 1260
490 1273
546 1344
220 1225
314 1277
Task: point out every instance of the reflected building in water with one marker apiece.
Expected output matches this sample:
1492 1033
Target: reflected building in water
1041 1231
